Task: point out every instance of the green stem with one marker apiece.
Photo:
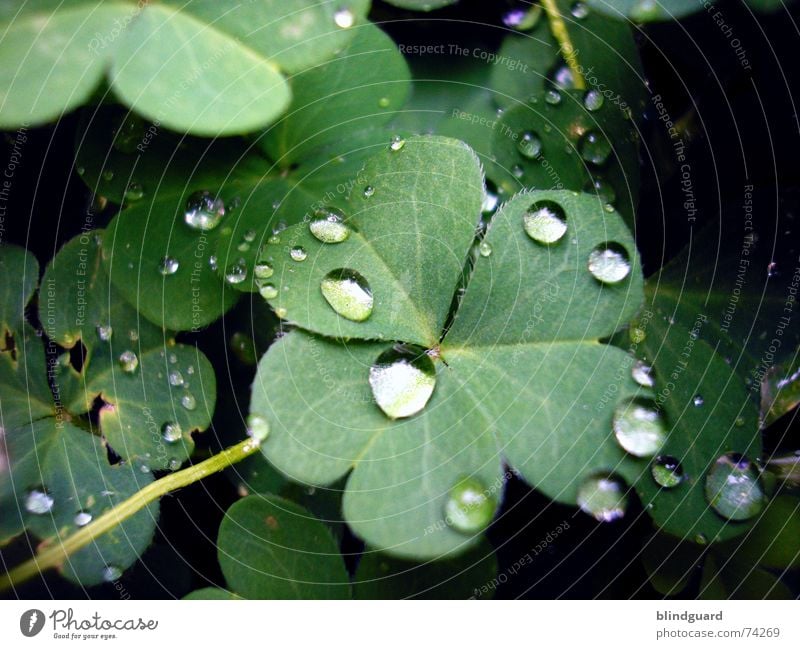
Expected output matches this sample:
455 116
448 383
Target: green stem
54 555
567 49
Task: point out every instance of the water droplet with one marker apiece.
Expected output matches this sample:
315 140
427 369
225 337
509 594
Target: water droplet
213 264
173 358
545 222
344 18
111 573
608 263
128 361
733 488
168 266
603 497
579 10
594 148
268 291
485 249
369 191
263 270
236 273
188 401
174 464
517 171
667 471
642 373
104 332
490 200
82 518
175 378
130 133
348 293
402 380
552 97
38 501
698 400
605 192
530 146
134 192
645 11
280 312
298 253
328 225
397 143
639 427
203 211
637 335
560 77
593 100
257 427
469 507
171 432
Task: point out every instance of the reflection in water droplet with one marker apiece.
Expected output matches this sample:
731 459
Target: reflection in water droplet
298 253
733 488
203 211
667 471
594 148
642 373
593 100
530 145
579 10
257 427
168 266
560 77
344 18
128 361
82 518
397 143
263 270
328 225
698 400
639 427
38 501
348 293
188 402
469 507
104 332
175 378
402 380
236 273
603 497
608 263
545 222
485 249
268 291
369 191
171 432
552 97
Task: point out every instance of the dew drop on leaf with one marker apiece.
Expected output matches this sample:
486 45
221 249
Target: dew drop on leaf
579 10
203 211
609 264
128 361
545 222
257 427
171 432
369 191
469 507
235 273
188 402
38 501
298 253
485 249
667 471
733 488
397 143
698 400
594 148
104 332
593 100
328 225
175 378
348 293
262 270
645 11
82 518
530 145
168 266
552 97
111 573
603 497
642 373
344 18
268 291
639 427
134 192
402 380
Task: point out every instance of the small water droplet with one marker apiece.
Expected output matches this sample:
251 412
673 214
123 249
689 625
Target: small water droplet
603 497
263 270
593 100
698 400
348 293
667 471
560 77
517 171
579 10
188 402
257 427
175 378
369 191
608 263
595 148
552 97
545 222
171 432
639 427
733 488
637 335
469 507
645 11
344 18
134 192
203 211
530 145
402 380
298 253
642 373
397 143
108 175
111 573
328 225
168 266
104 332
82 518
39 501
605 192
213 264
485 249
128 361
268 291
236 273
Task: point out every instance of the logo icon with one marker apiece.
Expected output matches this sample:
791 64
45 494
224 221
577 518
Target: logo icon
31 622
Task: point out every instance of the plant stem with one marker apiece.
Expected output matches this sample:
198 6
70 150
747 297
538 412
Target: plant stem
54 555
567 49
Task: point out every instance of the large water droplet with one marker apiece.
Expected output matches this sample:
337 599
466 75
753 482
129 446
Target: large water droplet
667 471
263 270
348 293
328 225
168 266
603 497
595 148
469 507
545 222
344 18
733 488
171 432
175 378
203 211
38 501
82 518
639 427
298 253
530 145
257 427
593 100
608 263
642 373
402 380
128 361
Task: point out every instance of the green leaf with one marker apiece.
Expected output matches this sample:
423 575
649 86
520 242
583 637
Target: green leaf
358 89
211 593
270 548
728 579
646 11
780 390
408 239
198 67
20 272
670 562
421 5
383 577
70 466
